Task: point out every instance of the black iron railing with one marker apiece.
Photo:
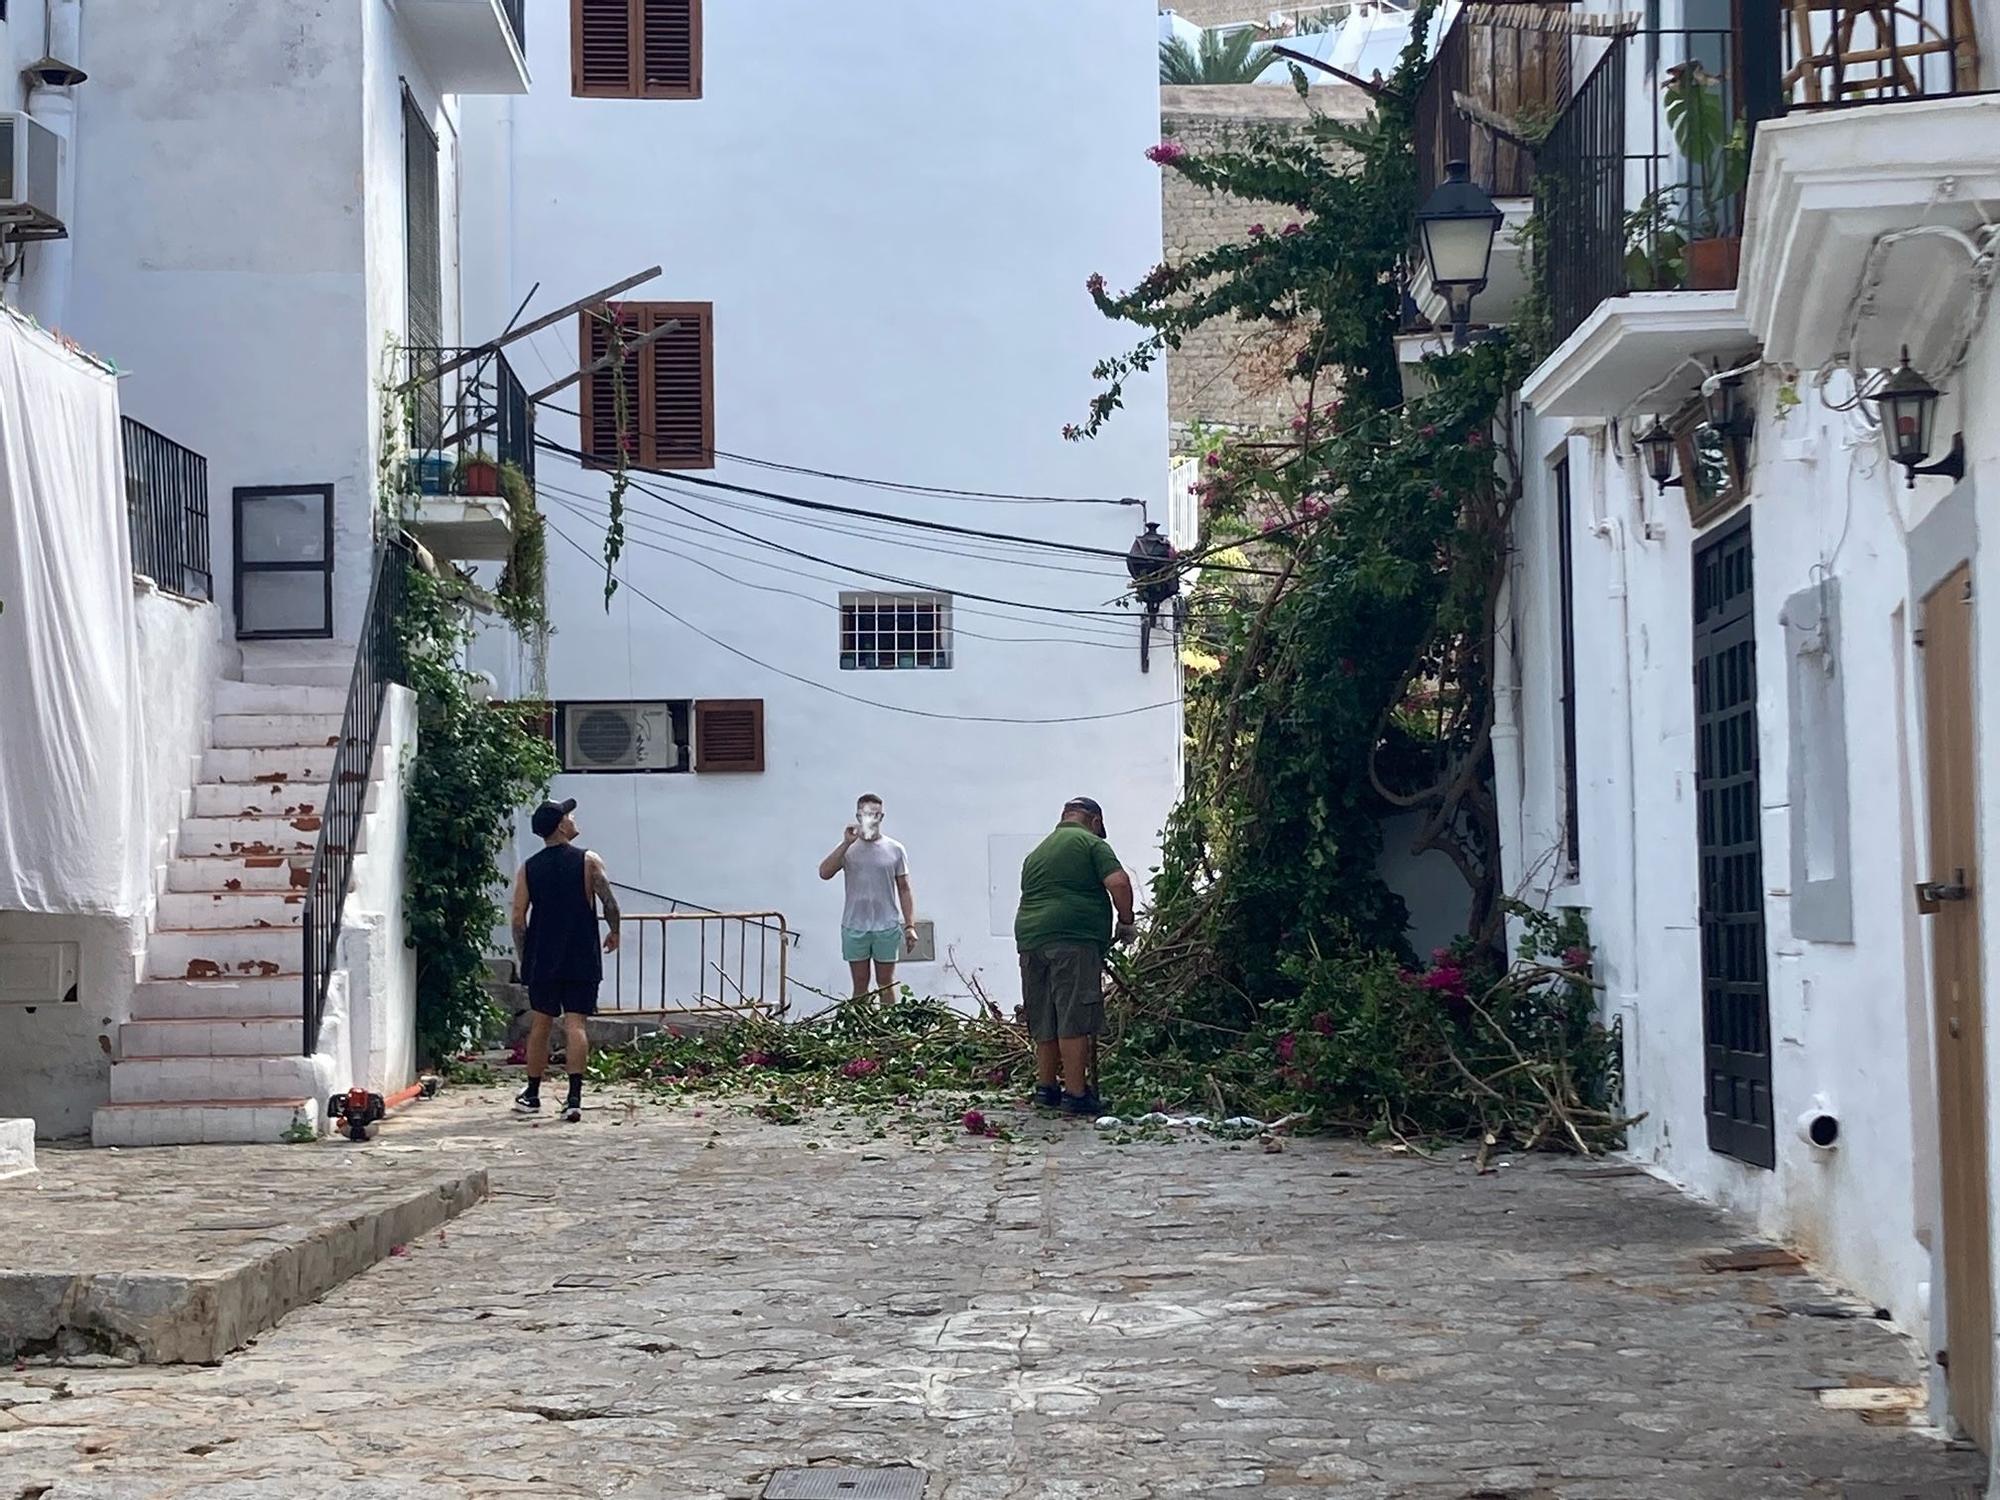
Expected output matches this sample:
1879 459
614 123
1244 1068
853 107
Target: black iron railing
166 499
378 661
482 410
1514 72
1633 201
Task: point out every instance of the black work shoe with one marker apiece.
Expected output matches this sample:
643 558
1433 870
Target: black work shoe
1083 1106
573 1110
1048 1096
526 1103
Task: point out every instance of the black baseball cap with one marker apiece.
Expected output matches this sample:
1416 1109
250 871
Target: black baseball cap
548 817
1085 805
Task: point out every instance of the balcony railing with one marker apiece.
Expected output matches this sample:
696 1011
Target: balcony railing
1516 73
1634 201
480 408
1824 54
166 498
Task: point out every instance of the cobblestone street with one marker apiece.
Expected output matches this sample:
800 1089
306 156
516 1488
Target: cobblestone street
673 1303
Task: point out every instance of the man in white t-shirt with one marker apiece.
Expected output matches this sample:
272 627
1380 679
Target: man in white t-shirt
878 924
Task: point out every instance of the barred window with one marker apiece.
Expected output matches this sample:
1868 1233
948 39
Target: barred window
890 632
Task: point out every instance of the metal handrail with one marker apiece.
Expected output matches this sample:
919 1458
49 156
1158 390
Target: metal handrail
378 661
718 985
166 502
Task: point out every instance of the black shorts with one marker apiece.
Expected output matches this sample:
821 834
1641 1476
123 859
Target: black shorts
555 997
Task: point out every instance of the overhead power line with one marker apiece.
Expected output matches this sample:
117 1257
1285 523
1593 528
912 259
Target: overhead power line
918 713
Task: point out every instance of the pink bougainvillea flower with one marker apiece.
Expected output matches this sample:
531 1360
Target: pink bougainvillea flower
1475 440
1576 958
974 1122
1295 227
1446 979
517 1056
1095 285
757 1059
1428 431
1298 424
1256 231
1288 1046
1214 460
859 1067
1166 153
1323 1024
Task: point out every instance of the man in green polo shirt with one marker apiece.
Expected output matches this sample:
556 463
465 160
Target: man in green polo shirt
1069 884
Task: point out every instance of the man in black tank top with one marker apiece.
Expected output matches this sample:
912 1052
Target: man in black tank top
557 895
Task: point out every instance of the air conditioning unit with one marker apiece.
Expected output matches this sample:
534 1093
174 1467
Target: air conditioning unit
30 177
620 737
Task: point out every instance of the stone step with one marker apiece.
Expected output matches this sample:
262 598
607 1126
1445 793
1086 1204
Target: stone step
254 872
212 836
153 1080
216 999
249 799
278 698
308 766
238 952
235 731
189 911
194 1122
210 1037
313 674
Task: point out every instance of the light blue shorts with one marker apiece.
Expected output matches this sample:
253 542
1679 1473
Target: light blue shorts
885 947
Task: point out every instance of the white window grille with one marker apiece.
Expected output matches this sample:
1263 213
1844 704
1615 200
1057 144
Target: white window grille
895 632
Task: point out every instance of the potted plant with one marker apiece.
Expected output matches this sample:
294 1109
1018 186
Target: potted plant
477 474
1655 247
1717 151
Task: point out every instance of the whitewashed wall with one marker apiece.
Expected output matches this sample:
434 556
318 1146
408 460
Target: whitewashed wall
237 248
1849 1020
894 220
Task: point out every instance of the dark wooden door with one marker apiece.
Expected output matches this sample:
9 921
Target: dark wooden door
1736 1010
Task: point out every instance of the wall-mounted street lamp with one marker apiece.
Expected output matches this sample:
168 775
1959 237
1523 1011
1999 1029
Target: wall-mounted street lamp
1726 406
1907 404
1657 444
1458 223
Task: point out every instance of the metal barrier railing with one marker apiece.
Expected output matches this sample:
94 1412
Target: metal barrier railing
378 661
166 498
694 963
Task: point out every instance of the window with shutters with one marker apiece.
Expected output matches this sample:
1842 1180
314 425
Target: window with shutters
635 49
729 734
423 256
663 400
888 632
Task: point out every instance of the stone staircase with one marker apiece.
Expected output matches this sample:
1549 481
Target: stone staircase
214 1051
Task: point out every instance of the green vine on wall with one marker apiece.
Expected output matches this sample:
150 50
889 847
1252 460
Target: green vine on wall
1274 971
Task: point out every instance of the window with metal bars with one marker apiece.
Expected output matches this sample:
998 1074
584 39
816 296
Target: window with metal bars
894 632
423 252
662 397
635 49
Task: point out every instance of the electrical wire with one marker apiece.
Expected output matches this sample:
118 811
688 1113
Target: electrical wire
910 583
712 543
1083 549
919 713
768 588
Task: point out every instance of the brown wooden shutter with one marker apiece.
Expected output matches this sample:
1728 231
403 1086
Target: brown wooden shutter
671 49
683 410
729 734
601 48
599 397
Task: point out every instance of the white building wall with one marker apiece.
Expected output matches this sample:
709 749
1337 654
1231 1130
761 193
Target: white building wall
1849 1020
895 240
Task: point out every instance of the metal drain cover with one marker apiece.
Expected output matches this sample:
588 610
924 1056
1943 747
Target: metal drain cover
846 1484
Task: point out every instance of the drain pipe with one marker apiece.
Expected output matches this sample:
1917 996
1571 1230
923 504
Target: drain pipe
1613 531
52 102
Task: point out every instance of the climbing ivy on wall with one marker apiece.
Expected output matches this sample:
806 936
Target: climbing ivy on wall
1358 682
